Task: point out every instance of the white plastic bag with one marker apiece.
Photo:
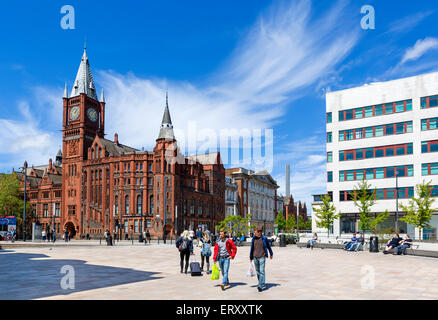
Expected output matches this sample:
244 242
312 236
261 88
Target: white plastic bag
251 272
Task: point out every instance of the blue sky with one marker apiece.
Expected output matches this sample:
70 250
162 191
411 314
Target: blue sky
226 64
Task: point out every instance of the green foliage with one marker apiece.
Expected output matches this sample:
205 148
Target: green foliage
419 210
364 200
11 203
236 225
280 221
326 214
291 224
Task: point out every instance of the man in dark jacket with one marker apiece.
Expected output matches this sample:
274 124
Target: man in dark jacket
260 246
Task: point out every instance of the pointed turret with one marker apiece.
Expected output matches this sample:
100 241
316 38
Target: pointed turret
65 91
102 96
166 130
58 159
84 80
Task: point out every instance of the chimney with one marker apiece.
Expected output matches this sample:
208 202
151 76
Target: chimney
287 180
50 164
116 138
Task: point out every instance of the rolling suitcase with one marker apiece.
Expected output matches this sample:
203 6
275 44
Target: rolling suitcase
195 269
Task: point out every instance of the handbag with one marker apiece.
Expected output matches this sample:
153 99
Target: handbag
215 272
251 272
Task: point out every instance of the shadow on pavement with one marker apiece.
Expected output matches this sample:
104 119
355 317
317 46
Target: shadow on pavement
25 278
268 286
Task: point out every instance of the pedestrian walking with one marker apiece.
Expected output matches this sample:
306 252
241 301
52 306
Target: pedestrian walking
205 251
185 247
260 245
43 234
148 236
54 236
66 235
199 235
224 251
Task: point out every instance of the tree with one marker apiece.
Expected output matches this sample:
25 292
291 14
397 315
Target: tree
291 224
280 221
11 203
236 225
419 210
326 214
364 199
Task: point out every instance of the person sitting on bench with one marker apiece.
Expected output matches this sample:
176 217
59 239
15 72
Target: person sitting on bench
348 244
313 240
393 243
403 245
355 246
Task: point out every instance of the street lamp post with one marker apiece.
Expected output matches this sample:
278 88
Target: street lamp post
24 209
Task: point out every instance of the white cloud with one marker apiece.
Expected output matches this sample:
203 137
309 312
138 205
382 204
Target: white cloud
408 23
285 51
419 49
24 140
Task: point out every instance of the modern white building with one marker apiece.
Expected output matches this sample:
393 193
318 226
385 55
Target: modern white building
374 131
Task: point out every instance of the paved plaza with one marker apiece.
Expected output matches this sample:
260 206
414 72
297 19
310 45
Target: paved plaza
152 272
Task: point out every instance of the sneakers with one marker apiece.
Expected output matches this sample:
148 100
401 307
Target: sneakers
259 289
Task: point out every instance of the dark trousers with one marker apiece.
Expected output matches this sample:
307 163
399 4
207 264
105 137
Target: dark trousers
186 255
207 259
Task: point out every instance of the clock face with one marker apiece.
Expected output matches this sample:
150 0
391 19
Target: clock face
74 113
92 114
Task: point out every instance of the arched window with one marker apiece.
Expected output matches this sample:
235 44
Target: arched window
126 204
139 204
151 205
116 205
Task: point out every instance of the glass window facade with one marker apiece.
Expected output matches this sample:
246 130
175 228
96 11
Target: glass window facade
379 152
429 146
376 173
429 169
377 131
377 110
429 124
386 194
429 102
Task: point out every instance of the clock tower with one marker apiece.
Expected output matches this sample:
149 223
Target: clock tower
83 119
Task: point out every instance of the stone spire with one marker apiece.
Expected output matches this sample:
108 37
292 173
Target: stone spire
65 91
102 96
166 130
84 80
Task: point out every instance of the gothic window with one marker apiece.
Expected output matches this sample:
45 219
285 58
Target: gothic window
200 208
139 204
126 205
116 205
151 205
192 207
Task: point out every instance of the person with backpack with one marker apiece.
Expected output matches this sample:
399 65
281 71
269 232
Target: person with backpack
185 247
224 250
205 251
260 246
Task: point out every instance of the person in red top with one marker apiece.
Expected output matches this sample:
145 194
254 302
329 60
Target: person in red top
224 250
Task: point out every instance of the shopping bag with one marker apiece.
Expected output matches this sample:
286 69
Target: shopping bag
215 272
251 272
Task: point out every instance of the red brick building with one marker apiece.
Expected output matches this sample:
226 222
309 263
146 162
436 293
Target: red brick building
103 184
